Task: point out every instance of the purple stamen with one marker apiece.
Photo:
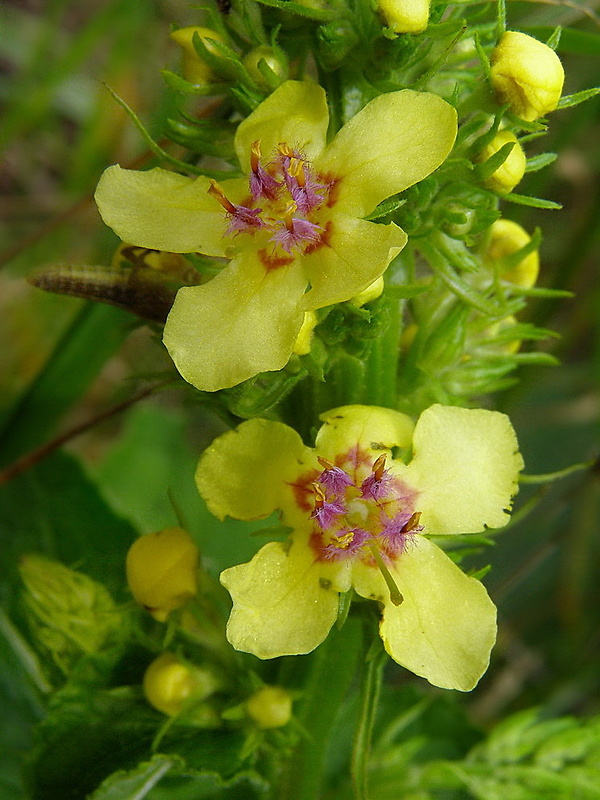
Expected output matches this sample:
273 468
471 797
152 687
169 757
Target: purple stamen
326 513
296 232
374 488
263 185
244 219
345 542
335 480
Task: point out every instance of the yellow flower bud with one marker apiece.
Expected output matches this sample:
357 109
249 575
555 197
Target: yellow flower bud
508 174
372 292
303 340
162 571
527 75
194 69
405 16
169 683
506 237
273 61
270 707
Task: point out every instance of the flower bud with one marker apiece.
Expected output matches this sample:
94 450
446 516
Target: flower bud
270 707
527 75
169 683
506 238
194 68
405 16
372 292
304 338
507 176
276 64
162 571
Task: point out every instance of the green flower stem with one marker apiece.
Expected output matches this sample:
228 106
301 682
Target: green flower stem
548 477
344 385
331 672
382 363
371 688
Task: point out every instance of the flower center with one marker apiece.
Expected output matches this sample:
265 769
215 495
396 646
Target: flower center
360 514
283 205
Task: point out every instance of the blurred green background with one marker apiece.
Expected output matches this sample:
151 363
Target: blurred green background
65 361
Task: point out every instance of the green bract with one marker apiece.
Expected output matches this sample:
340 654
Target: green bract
361 519
278 242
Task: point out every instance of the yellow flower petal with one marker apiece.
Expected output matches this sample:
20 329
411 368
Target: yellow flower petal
356 254
244 321
465 468
245 473
446 626
296 113
162 210
395 141
371 427
280 604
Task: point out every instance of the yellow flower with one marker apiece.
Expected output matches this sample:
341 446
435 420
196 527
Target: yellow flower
405 16
505 239
509 174
527 75
162 571
362 519
195 69
297 220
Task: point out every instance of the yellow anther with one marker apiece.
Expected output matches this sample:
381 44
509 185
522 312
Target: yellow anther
285 149
319 495
412 522
379 467
219 195
325 462
255 155
343 541
296 170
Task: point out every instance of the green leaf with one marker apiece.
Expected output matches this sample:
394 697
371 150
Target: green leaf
135 784
533 202
570 100
310 12
149 472
583 43
55 509
93 337
539 162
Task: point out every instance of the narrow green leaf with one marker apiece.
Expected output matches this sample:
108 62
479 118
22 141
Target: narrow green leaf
534 202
